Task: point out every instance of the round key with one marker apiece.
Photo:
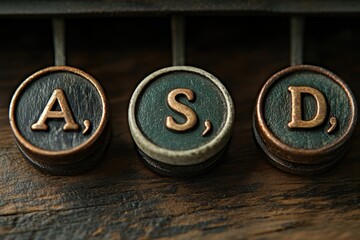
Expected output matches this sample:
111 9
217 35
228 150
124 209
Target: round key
181 119
304 118
59 117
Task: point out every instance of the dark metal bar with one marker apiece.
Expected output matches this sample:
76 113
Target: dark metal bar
178 40
58 26
296 40
161 7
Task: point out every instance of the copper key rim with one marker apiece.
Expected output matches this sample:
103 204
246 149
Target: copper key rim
58 155
299 155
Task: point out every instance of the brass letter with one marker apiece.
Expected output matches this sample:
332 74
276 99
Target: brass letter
58 95
333 124
207 128
190 115
296 114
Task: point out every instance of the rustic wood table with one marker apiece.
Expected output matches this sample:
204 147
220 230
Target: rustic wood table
243 197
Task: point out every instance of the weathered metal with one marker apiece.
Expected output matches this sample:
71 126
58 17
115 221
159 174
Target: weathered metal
167 7
313 137
59 117
181 136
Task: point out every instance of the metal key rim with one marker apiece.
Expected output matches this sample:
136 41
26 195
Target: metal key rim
300 155
186 157
60 153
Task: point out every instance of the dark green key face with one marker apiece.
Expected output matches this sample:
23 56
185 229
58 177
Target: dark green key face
207 103
319 123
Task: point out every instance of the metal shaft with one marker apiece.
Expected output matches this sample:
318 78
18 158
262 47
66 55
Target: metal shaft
58 26
296 40
178 40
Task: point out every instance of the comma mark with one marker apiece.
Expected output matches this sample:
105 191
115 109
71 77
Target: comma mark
207 128
333 124
87 125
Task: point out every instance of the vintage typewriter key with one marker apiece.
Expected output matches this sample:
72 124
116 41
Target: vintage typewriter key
59 116
181 119
304 119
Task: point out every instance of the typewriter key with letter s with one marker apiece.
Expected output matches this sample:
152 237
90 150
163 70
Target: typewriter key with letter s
181 119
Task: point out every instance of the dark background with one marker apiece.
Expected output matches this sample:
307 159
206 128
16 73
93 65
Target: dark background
244 196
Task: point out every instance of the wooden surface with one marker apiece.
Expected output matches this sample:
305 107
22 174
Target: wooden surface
243 197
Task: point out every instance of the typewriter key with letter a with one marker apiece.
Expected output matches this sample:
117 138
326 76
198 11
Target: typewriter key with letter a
181 120
59 117
304 119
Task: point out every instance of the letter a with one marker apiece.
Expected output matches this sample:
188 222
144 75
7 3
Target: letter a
65 113
296 114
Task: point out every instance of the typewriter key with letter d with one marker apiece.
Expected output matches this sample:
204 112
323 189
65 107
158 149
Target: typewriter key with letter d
304 119
305 115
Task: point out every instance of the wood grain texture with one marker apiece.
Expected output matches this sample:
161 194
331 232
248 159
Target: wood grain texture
243 197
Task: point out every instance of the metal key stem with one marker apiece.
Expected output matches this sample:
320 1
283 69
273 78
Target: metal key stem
178 40
58 26
296 40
